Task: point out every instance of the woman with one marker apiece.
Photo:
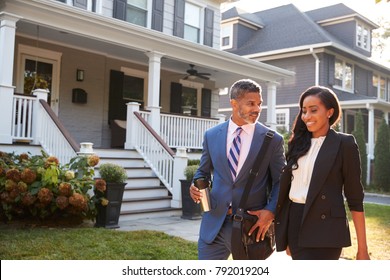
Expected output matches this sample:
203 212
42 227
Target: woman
322 166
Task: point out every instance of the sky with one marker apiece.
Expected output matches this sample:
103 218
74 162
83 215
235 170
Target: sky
366 8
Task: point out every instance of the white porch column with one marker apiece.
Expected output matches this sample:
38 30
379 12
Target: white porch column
370 150
180 163
271 105
131 125
7 46
154 89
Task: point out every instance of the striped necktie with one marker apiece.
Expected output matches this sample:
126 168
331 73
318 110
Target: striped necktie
234 153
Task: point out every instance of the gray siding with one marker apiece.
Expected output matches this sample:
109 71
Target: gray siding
290 88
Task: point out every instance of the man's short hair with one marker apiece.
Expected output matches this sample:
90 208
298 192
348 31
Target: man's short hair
241 87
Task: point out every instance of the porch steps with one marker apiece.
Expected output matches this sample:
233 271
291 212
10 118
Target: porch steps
144 195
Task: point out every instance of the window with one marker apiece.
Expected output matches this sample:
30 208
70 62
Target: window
380 83
363 36
343 75
227 36
137 12
133 89
192 16
282 120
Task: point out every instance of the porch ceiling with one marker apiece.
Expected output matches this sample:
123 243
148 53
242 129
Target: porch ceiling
76 28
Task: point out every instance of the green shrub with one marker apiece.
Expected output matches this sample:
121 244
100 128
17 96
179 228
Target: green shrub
361 142
189 172
382 158
112 173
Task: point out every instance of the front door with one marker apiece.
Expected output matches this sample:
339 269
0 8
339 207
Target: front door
39 69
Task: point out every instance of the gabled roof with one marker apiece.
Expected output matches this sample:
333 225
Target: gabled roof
284 27
335 12
239 14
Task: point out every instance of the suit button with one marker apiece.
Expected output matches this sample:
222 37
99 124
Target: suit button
323 216
323 196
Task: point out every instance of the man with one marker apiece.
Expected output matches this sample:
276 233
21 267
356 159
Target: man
230 168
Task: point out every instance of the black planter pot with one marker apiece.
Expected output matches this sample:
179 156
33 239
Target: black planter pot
191 210
108 216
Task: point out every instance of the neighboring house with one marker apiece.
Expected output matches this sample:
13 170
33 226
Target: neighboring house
98 57
330 46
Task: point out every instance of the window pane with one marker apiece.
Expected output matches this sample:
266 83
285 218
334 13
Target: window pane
136 16
138 3
188 101
338 73
348 77
37 74
133 89
382 90
192 15
225 41
191 34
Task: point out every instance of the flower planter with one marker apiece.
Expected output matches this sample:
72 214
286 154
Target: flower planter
108 216
190 209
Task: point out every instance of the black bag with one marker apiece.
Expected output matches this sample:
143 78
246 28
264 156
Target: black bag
256 250
245 247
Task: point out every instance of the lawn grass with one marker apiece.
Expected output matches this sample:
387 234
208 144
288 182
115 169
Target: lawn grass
36 242
92 244
378 233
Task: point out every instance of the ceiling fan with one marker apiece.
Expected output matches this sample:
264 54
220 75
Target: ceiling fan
192 74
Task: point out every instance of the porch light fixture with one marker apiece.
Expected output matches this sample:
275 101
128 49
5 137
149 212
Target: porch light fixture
80 75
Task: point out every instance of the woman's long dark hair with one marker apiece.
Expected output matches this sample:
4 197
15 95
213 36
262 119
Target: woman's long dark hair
300 141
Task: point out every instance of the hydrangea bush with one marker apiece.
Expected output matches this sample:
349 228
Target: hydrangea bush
40 186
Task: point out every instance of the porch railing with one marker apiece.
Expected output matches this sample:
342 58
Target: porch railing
34 121
155 152
183 131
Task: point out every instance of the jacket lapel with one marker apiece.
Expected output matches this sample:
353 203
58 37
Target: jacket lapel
221 139
322 166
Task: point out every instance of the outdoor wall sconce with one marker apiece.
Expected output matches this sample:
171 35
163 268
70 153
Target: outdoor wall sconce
80 75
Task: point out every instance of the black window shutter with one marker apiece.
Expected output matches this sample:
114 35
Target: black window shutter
176 90
208 27
117 109
158 15
178 20
119 9
80 4
206 102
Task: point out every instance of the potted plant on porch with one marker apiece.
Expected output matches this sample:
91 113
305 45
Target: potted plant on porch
190 210
109 193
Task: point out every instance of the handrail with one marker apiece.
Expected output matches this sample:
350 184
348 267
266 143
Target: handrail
75 146
155 135
154 150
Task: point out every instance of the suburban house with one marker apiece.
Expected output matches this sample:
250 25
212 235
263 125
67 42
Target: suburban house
330 46
135 81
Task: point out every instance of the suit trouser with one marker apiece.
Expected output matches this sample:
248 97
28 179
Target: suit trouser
305 253
220 248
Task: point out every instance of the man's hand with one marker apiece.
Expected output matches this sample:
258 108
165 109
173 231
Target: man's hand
195 194
264 221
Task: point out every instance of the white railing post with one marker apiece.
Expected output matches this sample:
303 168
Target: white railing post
221 118
37 115
180 163
131 125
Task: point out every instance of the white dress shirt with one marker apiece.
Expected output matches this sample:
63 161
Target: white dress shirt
302 176
246 140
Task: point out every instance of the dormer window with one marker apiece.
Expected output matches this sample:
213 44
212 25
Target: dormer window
227 36
363 37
